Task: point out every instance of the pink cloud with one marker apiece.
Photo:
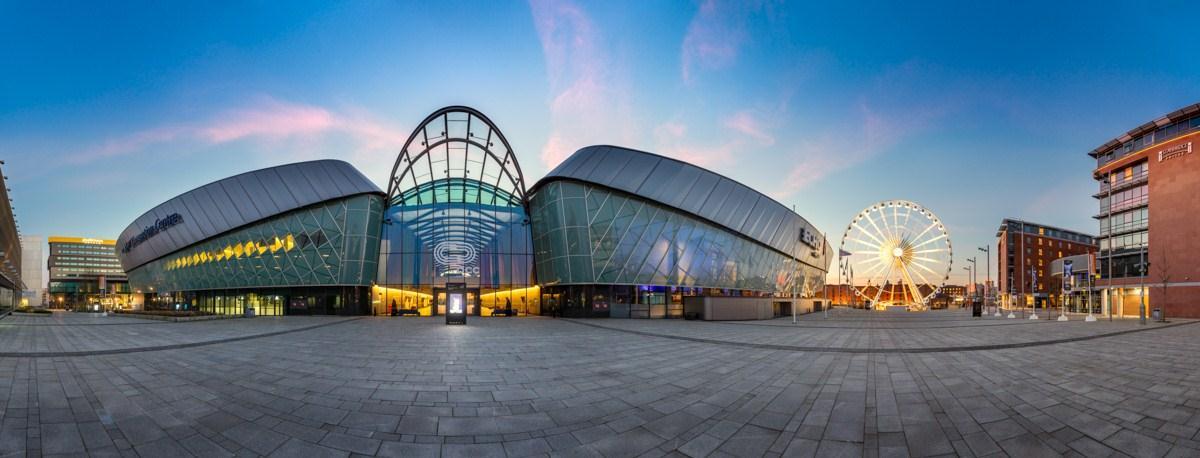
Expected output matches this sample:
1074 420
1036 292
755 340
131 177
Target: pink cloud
748 124
903 102
716 35
589 102
267 120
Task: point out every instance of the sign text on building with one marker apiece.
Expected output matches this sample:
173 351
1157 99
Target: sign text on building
1175 151
159 225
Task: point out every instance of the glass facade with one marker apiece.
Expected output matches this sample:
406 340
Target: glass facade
331 244
456 222
586 234
456 231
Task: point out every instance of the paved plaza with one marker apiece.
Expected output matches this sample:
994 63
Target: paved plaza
853 384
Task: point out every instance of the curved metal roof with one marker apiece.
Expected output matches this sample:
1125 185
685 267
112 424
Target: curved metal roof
237 201
694 190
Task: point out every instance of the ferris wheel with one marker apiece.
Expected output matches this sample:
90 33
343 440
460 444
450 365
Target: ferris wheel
896 252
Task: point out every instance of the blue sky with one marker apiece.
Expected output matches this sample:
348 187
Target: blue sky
977 110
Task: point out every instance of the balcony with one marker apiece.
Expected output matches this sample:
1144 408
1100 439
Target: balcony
1124 228
1136 179
1124 205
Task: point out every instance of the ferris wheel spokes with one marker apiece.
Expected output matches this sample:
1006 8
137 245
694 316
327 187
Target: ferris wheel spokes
894 251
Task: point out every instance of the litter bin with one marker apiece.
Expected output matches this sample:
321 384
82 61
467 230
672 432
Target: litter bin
1156 314
248 312
977 308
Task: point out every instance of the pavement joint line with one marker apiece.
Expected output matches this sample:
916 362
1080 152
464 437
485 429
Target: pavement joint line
117 351
1022 322
800 348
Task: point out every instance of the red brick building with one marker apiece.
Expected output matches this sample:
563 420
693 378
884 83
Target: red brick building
1151 166
1024 251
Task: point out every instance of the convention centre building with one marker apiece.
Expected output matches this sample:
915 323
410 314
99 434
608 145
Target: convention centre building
610 232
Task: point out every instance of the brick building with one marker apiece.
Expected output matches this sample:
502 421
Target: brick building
1024 251
1130 235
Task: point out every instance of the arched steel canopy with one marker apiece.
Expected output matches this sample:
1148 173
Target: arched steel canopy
456 142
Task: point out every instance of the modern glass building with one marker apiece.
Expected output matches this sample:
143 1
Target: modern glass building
456 222
85 274
620 232
610 232
294 239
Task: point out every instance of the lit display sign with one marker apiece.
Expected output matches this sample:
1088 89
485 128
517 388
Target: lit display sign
160 224
456 310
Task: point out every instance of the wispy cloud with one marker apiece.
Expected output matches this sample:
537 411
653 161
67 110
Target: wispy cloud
750 124
716 35
879 120
747 134
590 104
263 118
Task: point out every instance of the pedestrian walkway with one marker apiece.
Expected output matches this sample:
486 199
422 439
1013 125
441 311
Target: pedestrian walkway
542 386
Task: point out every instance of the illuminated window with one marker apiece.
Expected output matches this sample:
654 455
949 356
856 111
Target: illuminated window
1040 241
1039 252
1041 231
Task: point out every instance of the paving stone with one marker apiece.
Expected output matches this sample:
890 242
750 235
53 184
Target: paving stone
295 448
313 386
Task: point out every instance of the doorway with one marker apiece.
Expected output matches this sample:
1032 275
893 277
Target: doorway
440 299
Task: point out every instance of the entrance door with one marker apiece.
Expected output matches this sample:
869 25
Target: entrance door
440 300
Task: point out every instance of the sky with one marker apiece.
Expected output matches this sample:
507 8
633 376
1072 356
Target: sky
976 110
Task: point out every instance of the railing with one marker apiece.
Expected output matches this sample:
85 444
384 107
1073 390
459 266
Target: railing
1125 227
1124 205
1122 183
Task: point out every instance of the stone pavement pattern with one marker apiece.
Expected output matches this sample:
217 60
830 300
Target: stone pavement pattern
535 386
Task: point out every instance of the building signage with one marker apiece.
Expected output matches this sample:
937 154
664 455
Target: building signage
1175 151
808 237
455 259
92 241
152 230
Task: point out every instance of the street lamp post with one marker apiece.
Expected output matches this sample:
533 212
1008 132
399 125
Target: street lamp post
969 278
791 266
974 276
987 264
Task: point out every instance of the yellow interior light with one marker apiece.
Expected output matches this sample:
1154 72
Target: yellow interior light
289 243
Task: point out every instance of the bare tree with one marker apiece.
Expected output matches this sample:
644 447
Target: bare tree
1165 277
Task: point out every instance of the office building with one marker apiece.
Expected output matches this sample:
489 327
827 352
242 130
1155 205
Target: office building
86 275
1150 167
1024 251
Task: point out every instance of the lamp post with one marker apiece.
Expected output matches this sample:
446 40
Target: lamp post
384 256
969 278
987 265
790 264
974 277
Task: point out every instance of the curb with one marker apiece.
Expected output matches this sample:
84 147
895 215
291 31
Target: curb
880 350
